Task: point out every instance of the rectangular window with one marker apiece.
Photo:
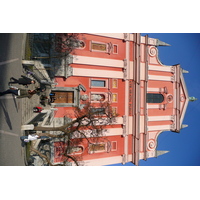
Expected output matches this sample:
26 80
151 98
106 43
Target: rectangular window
98 111
114 83
154 98
114 111
99 46
114 98
97 148
114 146
115 48
98 83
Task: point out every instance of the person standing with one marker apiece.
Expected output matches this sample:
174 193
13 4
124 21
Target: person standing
22 81
20 93
37 109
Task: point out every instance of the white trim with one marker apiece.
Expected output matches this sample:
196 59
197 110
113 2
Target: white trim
119 120
103 161
186 96
161 68
153 89
112 35
160 78
106 161
142 118
97 73
160 118
142 71
153 106
104 62
126 77
159 128
114 131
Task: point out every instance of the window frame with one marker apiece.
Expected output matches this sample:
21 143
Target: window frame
114 110
154 99
116 47
116 97
96 79
113 149
96 42
114 79
99 151
98 93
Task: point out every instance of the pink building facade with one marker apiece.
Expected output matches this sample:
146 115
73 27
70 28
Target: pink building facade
123 69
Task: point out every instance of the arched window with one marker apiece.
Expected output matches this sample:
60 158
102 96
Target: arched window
154 98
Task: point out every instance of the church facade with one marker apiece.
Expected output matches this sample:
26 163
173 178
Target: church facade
123 69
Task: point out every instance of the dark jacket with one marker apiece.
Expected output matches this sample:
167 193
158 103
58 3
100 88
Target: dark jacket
24 80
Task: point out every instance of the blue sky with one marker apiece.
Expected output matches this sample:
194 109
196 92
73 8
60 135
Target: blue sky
183 147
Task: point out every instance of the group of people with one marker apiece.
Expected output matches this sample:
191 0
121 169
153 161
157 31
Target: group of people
25 81
21 93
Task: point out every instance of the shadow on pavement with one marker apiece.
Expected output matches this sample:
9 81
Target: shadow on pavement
8 121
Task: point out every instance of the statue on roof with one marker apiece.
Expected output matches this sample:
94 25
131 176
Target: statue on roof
192 99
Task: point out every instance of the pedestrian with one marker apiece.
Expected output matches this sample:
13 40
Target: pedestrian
37 109
31 137
42 81
20 93
22 81
40 89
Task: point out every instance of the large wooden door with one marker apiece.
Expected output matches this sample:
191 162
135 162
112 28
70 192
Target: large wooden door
64 97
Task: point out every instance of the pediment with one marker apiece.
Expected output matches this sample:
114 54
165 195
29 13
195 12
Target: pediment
183 98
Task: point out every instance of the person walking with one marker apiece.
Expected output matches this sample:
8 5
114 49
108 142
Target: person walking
20 93
31 137
42 81
22 81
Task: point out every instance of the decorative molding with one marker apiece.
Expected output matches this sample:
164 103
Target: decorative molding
124 126
169 98
151 145
173 126
152 51
172 79
125 68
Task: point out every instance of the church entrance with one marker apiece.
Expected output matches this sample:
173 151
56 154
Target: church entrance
63 97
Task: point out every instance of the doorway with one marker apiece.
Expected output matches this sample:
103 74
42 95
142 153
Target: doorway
64 97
